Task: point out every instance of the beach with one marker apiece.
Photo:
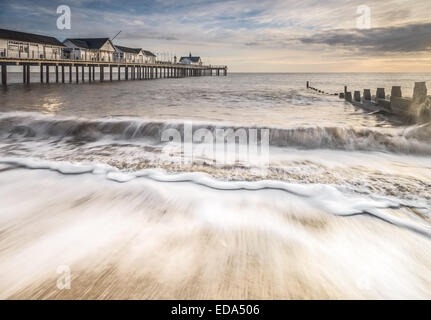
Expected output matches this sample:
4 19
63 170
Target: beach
341 209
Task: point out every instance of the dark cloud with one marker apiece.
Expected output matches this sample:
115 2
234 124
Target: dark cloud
408 38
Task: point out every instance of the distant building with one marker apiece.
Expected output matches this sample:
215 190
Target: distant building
149 56
90 49
14 44
191 60
126 54
134 55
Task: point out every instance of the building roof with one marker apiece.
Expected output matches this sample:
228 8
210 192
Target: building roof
29 37
148 53
129 50
191 58
89 43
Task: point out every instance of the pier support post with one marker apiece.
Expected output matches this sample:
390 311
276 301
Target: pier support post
101 73
62 74
83 73
76 74
56 73
28 73
47 73
24 73
367 94
70 73
119 73
41 73
93 71
4 74
89 74
110 73
126 70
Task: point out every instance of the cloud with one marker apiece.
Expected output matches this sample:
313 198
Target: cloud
396 39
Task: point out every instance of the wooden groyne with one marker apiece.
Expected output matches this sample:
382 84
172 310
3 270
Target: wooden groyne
76 70
414 109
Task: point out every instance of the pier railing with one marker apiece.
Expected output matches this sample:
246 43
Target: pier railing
138 70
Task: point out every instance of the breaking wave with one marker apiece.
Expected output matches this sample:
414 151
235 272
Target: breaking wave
413 140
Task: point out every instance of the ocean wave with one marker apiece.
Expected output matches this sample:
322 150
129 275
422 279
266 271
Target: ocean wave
413 140
328 198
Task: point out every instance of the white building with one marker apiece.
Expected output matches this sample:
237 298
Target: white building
193 60
89 49
14 44
134 55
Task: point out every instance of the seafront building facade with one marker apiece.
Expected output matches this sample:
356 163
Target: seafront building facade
14 44
77 56
89 49
21 45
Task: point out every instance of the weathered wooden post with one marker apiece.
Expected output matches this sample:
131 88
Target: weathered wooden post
345 90
380 93
126 70
41 73
62 74
76 74
396 92
24 74
47 73
367 94
110 72
101 73
357 96
70 73
341 95
28 73
56 73
420 92
308 84
119 72
4 74
348 96
82 74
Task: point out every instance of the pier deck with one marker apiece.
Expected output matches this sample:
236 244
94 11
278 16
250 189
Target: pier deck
132 71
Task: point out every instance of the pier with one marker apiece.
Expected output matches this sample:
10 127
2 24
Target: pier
76 70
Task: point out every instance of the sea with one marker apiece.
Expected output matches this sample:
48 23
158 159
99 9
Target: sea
124 189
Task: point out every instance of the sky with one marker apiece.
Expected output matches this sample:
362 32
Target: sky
250 35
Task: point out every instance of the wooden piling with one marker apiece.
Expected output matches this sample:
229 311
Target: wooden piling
101 73
396 92
357 96
47 73
420 92
56 73
367 94
41 73
348 96
380 93
62 74
28 74
82 73
4 74
70 73
76 74
24 74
